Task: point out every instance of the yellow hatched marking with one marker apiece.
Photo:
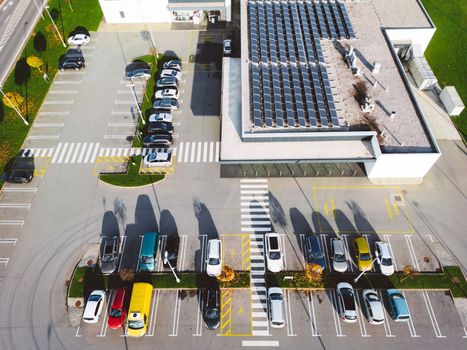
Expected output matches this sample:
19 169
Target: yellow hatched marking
388 208
246 264
226 312
396 208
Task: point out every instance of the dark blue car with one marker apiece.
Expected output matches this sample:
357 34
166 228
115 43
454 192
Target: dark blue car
314 252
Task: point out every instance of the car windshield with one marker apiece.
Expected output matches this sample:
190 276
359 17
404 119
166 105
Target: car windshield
135 324
372 297
94 297
365 256
115 312
275 296
317 255
108 258
349 302
213 261
386 261
147 259
212 314
339 258
274 255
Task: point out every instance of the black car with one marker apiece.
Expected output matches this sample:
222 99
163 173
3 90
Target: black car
22 170
138 70
212 310
166 82
155 127
159 139
171 247
73 59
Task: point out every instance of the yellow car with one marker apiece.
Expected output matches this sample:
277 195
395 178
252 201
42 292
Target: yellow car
363 254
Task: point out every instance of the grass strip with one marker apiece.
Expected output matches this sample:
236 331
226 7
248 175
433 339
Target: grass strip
76 289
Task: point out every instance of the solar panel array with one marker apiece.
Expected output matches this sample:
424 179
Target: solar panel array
289 84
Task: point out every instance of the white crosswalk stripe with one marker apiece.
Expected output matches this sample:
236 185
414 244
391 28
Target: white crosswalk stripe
197 152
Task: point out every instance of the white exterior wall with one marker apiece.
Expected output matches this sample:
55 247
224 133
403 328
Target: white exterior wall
420 36
410 167
136 11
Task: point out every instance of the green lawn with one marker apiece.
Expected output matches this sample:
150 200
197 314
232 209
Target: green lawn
447 50
86 13
76 289
132 178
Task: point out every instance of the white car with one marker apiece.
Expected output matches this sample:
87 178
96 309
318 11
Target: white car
273 252
227 46
373 306
171 73
79 39
166 93
339 261
94 306
214 258
384 258
276 307
161 117
346 302
162 157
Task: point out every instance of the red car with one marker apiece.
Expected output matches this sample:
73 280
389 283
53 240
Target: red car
117 312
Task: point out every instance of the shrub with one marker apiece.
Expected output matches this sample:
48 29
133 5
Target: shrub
227 274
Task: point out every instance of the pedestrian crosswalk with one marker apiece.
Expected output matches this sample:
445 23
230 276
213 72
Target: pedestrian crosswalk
256 222
89 152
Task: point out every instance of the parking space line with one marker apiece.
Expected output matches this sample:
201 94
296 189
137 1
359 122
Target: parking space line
106 313
15 206
152 321
181 264
387 328
12 222
77 332
155 311
211 151
283 244
199 318
324 248
205 152
4 261
413 332
288 315
176 318
160 249
431 313
335 315
311 312
43 137
8 241
19 189
204 239
386 238
347 253
302 248
412 252
360 318
122 249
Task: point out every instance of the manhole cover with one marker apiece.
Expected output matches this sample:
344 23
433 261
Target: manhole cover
397 198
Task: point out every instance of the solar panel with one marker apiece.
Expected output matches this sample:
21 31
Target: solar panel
329 20
321 22
337 18
347 22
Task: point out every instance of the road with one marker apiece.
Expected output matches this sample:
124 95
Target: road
17 20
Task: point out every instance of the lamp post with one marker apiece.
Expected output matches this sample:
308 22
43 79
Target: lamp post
166 261
53 22
365 270
14 107
132 85
39 8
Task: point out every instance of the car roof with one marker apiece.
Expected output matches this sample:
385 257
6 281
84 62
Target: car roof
160 155
137 65
119 298
338 246
313 242
384 248
362 245
214 247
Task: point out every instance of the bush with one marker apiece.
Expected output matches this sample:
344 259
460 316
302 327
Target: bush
227 274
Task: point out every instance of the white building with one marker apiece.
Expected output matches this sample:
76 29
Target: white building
165 11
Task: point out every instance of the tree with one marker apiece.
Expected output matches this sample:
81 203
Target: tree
314 273
22 71
13 99
40 42
227 274
127 275
35 62
55 13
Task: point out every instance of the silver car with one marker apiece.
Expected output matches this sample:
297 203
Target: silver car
276 307
339 262
109 254
171 73
373 306
346 302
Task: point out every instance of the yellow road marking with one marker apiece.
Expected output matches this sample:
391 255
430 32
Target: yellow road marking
241 311
246 263
233 253
333 206
226 312
325 208
388 208
396 208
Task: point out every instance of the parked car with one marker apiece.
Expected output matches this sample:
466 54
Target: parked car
214 257
21 171
384 258
339 261
148 252
117 311
212 316
94 305
155 127
373 306
166 104
159 139
161 117
362 252
166 82
79 39
172 245
109 251
138 70
314 253
73 59
173 64
276 307
346 302
273 252
160 158
171 73
166 93
227 45
397 305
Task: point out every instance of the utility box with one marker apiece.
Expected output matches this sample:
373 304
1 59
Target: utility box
451 101
422 73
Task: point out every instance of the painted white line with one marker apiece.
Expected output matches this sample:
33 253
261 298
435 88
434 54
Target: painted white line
259 297
48 125
127 102
81 155
8 241
432 315
198 152
324 248
113 152
19 189
67 82
176 317
335 315
253 223
413 332
55 113
257 203
160 248
205 152
284 256
347 253
57 151
255 216
211 152
254 210
77 332
193 150
15 206
465 332
256 229
258 191
151 330
181 261
288 313
360 318
253 180
122 250
199 322
75 154
311 311
387 328
54 102
255 323
412 252
63 92
62 154
119 113
12 222
70 72
260 343
4 261
94 155
70 152
216 159
187 151
151 316
43 137
258 186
